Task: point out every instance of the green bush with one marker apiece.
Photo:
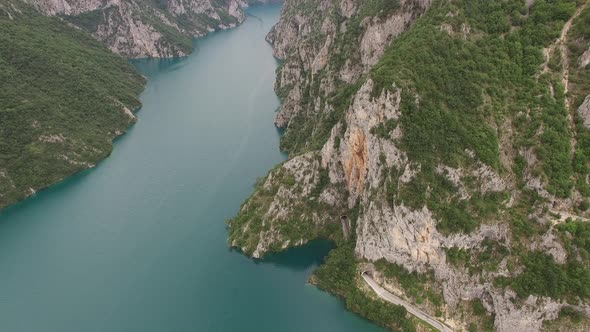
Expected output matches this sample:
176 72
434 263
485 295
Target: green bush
417 286
576 233
458 256
543 276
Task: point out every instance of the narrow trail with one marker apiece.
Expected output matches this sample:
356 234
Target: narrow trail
565 80
561 44
389 297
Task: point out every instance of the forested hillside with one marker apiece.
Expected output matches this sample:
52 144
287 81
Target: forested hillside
63 98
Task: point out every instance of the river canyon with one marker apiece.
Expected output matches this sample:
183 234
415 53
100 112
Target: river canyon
138 243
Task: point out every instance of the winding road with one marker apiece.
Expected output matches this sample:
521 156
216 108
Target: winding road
389 297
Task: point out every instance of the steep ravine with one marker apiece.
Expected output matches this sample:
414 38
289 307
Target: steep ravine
428 142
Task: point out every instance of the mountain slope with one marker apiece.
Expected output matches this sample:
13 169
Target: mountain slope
147 28
64 97
436 144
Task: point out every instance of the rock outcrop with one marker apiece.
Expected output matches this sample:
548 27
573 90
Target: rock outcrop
584 111
317 42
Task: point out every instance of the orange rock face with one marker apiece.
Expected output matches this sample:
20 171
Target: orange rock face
356 167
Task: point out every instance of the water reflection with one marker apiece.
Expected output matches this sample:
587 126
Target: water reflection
300 258
151 67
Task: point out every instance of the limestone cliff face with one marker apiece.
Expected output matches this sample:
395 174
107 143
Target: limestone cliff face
332 43
409 236
343 125
140 29
308 37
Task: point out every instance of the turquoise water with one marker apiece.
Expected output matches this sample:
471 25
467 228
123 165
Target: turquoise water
139 242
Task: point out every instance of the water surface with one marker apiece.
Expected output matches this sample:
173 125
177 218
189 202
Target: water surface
139 242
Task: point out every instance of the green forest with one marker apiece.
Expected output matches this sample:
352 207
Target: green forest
62 100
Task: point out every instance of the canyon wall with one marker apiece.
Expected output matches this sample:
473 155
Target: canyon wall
404 128
141 29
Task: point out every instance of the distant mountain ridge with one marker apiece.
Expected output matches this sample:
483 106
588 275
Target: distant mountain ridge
147 28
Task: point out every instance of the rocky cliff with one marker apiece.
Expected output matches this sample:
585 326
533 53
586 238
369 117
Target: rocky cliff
140 29
445 142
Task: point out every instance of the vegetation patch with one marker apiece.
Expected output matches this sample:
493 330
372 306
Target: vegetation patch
543 276
569 319
575 236
415 285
